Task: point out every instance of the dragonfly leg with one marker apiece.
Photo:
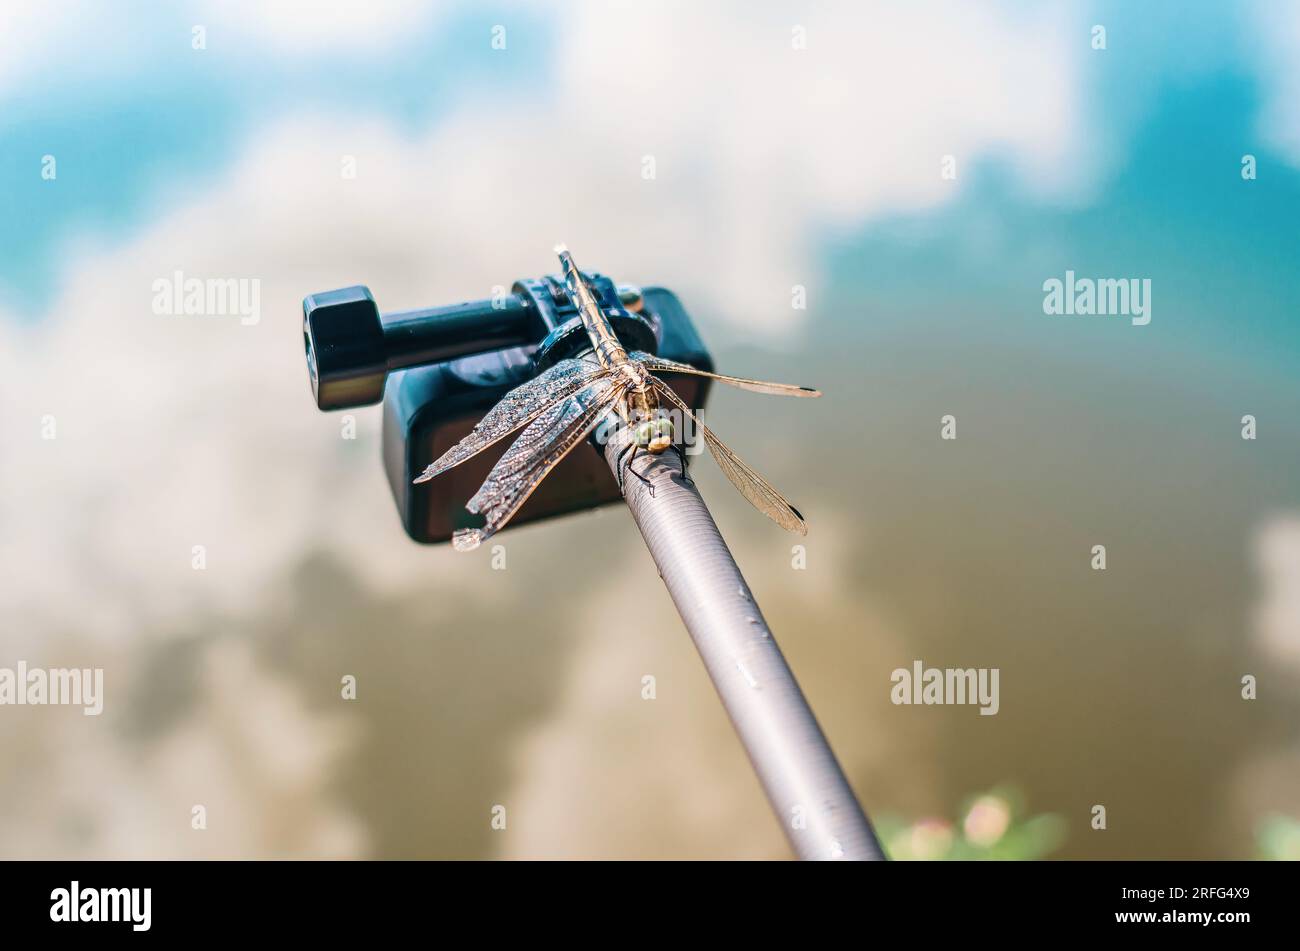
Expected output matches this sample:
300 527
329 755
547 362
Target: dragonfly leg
681 454
621 465
628 466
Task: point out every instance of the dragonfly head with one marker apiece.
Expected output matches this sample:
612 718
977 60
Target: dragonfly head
655 435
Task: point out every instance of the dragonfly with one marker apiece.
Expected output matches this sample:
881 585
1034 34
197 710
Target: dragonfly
558 409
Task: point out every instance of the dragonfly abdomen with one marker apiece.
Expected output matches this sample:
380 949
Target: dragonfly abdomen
609 351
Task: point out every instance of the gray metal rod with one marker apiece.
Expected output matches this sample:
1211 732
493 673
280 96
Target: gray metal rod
802 779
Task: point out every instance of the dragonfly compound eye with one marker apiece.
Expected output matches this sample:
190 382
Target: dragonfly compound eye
645 432
663 436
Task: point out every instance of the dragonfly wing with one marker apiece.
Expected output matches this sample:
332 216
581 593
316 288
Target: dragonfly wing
752 486
540 447
653 363
517 408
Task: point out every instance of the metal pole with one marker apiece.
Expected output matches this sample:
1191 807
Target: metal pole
802 779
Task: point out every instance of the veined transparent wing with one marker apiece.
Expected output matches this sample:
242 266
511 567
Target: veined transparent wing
539 449
517 408
653 363
752 486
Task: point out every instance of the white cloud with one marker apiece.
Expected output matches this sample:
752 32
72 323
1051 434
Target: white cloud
305 27
1274 37
249 753
1277 565
29 33
96 41
761 149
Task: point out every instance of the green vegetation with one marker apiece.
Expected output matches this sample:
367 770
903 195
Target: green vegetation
991 826
1278 838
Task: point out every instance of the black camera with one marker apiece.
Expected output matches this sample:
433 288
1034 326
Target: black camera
439 370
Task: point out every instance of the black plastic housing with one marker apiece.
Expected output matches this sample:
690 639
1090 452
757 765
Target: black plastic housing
427 409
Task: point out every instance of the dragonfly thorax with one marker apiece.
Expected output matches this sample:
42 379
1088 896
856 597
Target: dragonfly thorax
637 376
652 430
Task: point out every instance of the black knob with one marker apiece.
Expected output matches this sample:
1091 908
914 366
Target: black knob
351 347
